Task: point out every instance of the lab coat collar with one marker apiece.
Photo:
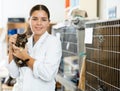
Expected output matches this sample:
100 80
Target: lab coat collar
41 39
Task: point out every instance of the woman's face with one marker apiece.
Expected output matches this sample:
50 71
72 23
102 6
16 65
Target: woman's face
39 22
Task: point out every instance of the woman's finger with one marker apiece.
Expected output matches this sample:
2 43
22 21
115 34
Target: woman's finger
12 39
16 49
15 54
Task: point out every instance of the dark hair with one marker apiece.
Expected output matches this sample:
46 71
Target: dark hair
40 7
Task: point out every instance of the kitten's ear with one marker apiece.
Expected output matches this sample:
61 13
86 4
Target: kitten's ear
26 34
18 34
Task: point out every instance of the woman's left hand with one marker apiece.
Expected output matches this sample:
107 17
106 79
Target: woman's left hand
20 52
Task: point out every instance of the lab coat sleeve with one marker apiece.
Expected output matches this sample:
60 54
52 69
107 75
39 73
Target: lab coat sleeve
13 69
47 69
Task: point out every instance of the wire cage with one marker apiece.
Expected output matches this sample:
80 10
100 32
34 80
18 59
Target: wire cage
103 56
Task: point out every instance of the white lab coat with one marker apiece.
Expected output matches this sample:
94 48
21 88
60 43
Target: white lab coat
47 54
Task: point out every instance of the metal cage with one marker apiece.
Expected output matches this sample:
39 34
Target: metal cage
103 56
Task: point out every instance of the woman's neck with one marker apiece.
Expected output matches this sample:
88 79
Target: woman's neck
36 38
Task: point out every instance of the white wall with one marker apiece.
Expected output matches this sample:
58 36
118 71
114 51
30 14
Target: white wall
114 3
105 5
1 14
20 8
90 6
102 9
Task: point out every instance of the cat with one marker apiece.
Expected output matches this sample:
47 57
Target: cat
20 42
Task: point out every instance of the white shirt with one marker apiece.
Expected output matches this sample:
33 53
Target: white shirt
47 54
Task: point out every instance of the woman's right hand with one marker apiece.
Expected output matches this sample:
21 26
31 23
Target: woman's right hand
12 41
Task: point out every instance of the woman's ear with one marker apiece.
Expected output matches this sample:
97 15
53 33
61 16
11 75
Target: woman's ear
49 24
28 21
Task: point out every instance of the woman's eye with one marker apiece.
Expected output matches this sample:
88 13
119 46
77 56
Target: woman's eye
44 19
34 19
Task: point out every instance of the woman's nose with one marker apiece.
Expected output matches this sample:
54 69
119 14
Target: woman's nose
39 21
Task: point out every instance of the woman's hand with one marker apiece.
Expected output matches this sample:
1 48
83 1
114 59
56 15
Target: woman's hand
23 54
20 52
12 40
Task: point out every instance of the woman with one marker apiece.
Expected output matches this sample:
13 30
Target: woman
42 52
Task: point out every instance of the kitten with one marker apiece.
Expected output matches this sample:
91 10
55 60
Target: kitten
20 42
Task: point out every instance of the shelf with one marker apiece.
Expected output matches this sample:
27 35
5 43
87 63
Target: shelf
12 25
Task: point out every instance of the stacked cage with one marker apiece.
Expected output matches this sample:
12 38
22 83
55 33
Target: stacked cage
103 56
68 39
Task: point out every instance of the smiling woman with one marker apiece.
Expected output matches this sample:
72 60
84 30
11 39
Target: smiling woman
43 60
39 22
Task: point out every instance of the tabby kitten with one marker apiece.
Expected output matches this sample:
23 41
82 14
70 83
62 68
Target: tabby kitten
20 42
